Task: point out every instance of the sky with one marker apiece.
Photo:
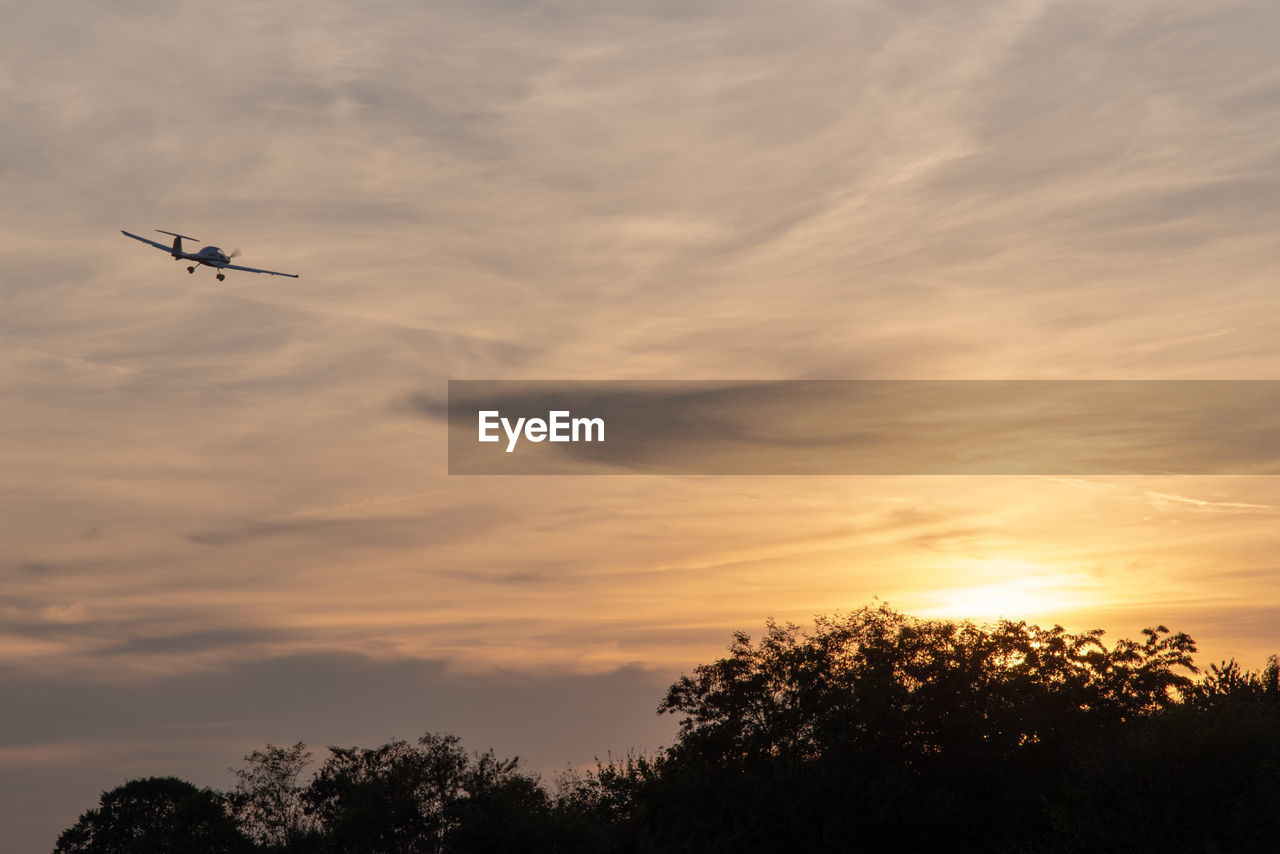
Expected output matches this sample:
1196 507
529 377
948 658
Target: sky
225 519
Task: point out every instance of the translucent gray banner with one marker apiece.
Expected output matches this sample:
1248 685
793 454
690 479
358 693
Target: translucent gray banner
1043 427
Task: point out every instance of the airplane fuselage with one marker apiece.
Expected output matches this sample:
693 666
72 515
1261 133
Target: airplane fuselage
210 256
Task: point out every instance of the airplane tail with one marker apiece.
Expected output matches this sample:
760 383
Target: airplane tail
176 252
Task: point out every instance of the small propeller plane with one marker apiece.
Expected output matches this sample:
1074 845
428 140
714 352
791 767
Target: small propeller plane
209 256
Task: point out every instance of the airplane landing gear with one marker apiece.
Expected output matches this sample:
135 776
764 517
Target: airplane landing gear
191 269
221 276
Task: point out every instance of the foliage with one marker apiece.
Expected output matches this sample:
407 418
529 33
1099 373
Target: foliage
910 689
156 815
871 731
268 799
430 796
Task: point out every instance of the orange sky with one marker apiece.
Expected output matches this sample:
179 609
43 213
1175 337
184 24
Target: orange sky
219 501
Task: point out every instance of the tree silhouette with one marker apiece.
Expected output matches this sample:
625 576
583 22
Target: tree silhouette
911 731
399 798
156 815
404 798
268 798
909 688
871 731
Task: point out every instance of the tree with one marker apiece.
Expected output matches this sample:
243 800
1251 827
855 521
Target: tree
906 731
913 689
1229 682
268 798
404 798
871 731
156 815
503 811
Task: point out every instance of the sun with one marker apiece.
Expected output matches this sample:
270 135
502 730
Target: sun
1010 589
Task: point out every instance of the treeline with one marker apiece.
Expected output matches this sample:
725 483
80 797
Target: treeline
870 732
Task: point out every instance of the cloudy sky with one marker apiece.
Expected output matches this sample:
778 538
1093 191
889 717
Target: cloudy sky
225 519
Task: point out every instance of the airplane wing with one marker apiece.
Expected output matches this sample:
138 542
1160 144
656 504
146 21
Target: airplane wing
144 240
254 270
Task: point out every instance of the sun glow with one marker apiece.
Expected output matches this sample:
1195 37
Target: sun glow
1011 589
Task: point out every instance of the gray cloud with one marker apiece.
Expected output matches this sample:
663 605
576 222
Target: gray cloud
192 642
461 522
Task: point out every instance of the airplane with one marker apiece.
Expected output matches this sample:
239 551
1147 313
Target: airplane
209 256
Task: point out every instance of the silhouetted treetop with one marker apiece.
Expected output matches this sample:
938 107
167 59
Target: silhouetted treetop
404 798
904 687
155 815
268 799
